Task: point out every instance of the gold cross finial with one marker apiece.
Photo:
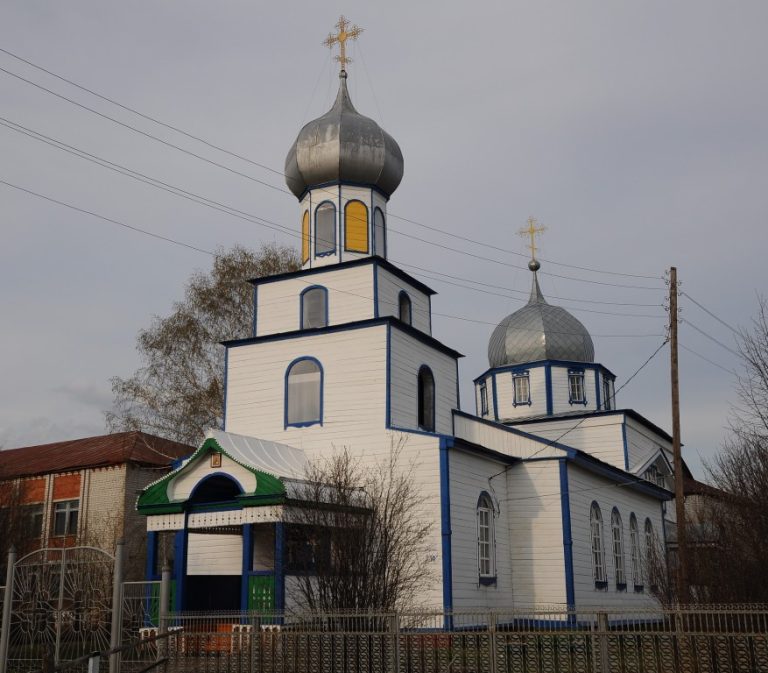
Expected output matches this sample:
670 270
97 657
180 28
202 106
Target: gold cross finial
345 32
531 230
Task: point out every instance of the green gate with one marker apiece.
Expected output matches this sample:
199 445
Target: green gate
261 593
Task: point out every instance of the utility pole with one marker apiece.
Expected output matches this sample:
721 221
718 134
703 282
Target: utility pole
682 550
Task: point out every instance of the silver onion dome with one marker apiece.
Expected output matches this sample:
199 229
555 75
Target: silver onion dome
343 146
539 331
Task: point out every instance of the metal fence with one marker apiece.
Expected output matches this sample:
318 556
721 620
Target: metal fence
717 640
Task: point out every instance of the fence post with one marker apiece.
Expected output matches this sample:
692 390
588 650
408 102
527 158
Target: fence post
492 639
117 607
396 642
602 631
162 610
5 629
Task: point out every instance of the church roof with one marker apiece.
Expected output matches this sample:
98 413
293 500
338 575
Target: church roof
91 452
539 331
343 146
274 458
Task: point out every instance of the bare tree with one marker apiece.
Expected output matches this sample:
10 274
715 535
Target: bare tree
358 540
178 392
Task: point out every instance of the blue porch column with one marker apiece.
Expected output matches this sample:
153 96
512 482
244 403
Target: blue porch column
247 564
180 545
279 566
151 566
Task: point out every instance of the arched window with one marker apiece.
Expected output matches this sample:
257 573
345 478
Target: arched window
617 537
314 307
426 399
379 234
486 553
215 488
305 237
325 229
404 307
356 227
598 550
304 392
634 551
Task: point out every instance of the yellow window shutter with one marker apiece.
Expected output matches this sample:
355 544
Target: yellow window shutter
356 227
305 237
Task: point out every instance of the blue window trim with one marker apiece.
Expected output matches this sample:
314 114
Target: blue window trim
426 368
367 228
577 371
400 295
301 305
332 243
519 374
303 424
486 501
384 230
483 398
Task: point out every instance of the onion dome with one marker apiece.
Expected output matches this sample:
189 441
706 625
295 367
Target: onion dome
343 146
539 331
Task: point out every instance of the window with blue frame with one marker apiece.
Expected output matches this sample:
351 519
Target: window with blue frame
617 535
426 394
314 308
598 549
521 385
304 392
483 399
379 234
404 307
486 557
576 392
325 229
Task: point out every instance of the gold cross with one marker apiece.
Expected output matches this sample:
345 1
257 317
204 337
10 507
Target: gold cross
345 33
531 230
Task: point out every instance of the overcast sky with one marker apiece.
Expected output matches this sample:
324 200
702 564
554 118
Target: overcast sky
635 131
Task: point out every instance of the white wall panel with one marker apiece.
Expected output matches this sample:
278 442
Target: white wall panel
498 438
181 487
212 554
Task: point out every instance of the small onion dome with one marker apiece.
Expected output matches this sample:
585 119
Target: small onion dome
539 331
343 146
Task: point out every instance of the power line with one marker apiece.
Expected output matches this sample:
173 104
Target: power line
710 337
266 184
713 363
706 310
213 254
229 210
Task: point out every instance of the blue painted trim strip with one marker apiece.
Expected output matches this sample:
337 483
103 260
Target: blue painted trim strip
548 388
247 564
495 398
565 510
445 528
224 395
180 565
303 424
279 566
255 309
375 290
598 400
388 391
625 443
151 564
458 391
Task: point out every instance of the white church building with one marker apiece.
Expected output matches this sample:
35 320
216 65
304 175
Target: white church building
545 493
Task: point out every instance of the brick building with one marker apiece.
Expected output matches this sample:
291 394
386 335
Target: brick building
81 491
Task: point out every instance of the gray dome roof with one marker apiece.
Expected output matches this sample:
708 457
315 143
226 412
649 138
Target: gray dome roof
343 146
539 331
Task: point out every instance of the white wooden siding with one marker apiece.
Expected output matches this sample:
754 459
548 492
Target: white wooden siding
389 287
407 356
584 488
642 443
213 554
506 395
536 533
469 474
600 436
181 487
498 438
350 298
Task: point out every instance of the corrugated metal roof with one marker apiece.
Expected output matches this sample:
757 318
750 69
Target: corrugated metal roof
89 452
274 458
